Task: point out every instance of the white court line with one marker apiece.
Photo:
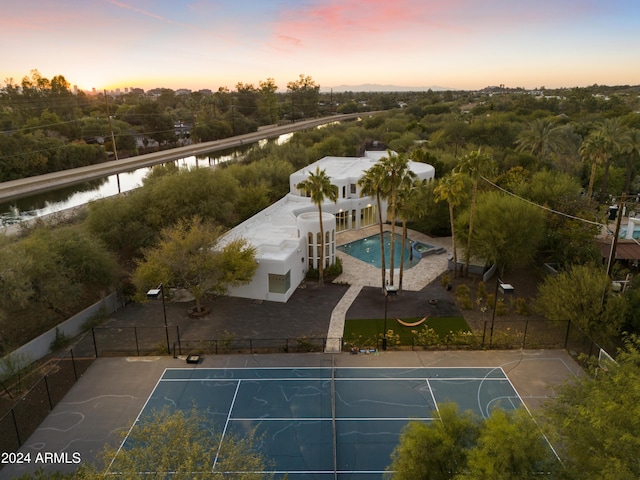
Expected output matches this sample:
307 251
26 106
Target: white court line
135 421
226 424
327 379
327 419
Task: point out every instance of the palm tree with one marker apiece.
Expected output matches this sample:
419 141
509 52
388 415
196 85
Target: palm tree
593 149
451 190
371 185
541 138
476 165
411 206
395 168
617 138
633 150
318 186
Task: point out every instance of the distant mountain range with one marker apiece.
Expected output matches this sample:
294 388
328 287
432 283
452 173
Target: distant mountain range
372 87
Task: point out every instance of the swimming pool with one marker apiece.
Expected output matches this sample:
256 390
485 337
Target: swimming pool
368 250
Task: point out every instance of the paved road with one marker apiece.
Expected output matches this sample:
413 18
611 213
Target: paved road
14 189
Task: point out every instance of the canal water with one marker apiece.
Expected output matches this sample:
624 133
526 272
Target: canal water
69 197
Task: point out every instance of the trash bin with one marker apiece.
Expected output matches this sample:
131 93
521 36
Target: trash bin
613 212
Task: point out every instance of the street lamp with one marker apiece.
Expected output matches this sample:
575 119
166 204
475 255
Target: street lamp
155 293
389 291
505 289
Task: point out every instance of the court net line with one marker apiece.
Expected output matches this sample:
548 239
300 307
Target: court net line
333 417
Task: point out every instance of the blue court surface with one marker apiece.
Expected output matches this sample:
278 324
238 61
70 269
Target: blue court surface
322 423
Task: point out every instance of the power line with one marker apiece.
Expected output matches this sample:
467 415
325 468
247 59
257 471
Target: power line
551 210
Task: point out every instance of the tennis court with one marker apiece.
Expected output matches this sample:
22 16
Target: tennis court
324 422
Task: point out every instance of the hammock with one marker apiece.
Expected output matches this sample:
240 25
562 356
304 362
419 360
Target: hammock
412 324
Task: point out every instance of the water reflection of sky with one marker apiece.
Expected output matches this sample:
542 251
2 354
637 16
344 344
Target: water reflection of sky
76 195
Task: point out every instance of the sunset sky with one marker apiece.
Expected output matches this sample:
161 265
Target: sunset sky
459 44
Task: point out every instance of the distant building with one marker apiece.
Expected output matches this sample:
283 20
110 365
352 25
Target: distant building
287 234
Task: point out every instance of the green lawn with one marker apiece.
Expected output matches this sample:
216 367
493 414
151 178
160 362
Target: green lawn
365 331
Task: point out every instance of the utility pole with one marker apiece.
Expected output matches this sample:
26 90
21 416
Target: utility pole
614 242
113 140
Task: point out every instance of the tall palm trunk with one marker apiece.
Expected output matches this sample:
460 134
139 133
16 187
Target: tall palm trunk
404 236
592 179
321 259
467 253
383 262
393 233
453 241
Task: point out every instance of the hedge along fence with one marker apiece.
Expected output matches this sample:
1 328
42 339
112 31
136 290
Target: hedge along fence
498 334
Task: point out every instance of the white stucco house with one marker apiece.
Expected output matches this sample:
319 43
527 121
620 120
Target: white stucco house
287 233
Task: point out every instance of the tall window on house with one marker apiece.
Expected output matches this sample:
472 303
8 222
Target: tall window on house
342 221
368 215
279 283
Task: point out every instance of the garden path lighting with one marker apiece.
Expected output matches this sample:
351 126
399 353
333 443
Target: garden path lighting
389 291
155 293
505 289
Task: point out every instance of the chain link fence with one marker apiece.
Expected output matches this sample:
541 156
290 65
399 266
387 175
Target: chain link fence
30 393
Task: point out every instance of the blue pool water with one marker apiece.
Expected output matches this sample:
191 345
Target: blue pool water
368 250
623 232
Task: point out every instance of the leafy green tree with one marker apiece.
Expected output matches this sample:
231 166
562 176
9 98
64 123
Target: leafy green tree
596 420
567 240
190 256
582 295
181 445
268 108
319 187
245 99
304 93
510 445
63 262
509 230
435 451
506 445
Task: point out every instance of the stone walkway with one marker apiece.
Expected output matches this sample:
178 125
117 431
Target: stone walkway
358 274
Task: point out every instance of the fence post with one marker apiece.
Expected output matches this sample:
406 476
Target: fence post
179 345
46 386
524 335
15 424
73 362
95 344
484 333
566 337
135 335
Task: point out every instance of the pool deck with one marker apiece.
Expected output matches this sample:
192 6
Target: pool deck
358 274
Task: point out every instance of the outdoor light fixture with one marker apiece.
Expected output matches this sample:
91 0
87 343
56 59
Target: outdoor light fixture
155 293
389 291
505 289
